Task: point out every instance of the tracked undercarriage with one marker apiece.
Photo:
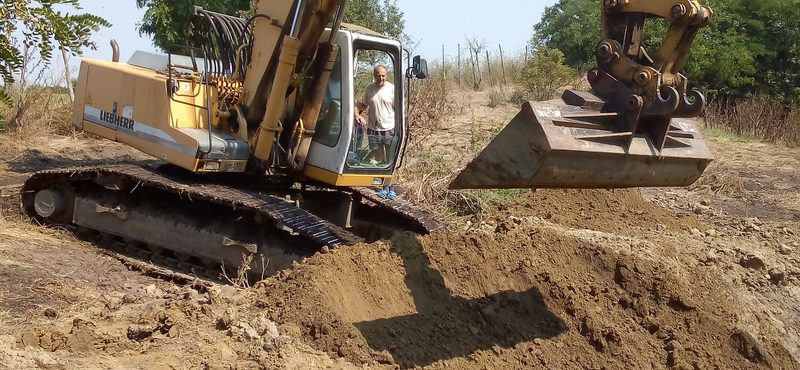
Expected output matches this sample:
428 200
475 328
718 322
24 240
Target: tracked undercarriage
206 227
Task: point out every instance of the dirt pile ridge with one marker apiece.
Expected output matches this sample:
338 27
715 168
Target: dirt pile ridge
614 211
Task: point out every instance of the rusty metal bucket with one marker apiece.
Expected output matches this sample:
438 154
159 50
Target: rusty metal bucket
554 145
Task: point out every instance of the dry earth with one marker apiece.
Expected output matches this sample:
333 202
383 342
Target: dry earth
705 277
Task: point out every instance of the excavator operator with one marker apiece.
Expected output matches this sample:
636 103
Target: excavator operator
379 98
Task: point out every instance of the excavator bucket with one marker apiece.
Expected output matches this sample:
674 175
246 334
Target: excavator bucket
555 145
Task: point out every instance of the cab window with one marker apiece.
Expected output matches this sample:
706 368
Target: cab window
376 140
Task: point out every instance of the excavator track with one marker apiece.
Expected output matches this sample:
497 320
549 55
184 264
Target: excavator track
158 216
208 230
423 219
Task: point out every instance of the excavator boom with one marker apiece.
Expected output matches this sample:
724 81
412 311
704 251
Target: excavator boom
631 131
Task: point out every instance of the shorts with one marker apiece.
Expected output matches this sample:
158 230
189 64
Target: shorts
376 138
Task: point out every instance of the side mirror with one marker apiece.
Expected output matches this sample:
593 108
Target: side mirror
419 68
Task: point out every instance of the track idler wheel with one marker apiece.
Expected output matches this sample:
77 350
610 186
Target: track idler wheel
54 204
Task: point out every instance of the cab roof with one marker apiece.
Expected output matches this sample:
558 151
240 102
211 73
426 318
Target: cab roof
364 31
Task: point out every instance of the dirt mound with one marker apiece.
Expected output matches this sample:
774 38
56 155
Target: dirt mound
614 211
528 293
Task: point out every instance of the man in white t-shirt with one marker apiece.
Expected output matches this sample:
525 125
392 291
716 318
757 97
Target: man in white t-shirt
379 97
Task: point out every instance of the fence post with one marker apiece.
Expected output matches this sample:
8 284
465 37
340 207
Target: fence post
489 69
444 66
502 64
459 65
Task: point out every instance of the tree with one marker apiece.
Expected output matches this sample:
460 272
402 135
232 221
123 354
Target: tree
572 26
475 49
43 27
776 30
722 57
166 20
385 18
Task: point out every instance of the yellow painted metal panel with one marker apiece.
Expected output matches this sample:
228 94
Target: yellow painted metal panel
80 96
346 179
99 130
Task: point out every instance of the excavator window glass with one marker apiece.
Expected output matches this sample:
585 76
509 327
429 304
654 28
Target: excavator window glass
375 145
329 124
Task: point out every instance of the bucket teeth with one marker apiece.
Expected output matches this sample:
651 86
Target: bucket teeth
554 145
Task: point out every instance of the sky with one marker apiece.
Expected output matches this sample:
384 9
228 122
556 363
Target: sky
433 24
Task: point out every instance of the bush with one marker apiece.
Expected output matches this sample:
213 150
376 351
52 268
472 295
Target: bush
544 74
497 96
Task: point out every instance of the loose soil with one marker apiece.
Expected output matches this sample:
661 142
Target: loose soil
701 277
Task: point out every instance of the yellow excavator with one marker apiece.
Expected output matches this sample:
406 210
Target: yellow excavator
254 120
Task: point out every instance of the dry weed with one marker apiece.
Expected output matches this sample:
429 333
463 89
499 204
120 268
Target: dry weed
41 109
724 183
22 229
41 105
427 107
425 179
758 117
245 272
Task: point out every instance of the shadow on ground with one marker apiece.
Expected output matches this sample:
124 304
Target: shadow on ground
447 326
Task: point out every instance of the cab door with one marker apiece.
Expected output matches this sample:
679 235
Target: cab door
342 152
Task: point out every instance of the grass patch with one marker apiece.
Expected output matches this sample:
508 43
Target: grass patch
722 133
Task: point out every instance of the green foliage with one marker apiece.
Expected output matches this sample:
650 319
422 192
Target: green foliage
544 74
517 98
44 28
383 17
166 21
572 26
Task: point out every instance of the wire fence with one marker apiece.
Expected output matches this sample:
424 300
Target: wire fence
478 65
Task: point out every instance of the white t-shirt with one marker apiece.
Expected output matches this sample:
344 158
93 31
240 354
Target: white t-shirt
381 106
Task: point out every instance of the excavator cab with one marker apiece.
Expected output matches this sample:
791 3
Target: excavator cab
340 153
